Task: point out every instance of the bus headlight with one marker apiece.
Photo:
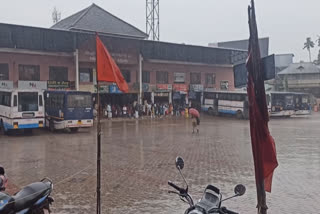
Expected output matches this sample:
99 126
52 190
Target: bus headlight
15 125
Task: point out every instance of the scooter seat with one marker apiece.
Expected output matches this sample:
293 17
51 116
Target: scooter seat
29 195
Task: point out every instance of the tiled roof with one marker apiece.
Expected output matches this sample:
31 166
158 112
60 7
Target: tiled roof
96 19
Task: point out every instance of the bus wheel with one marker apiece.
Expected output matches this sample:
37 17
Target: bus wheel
210 111
2 129
239 115
74 130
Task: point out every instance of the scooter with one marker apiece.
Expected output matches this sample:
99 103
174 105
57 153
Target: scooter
32 199
211 200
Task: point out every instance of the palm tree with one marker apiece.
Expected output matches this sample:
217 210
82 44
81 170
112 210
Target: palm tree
309 44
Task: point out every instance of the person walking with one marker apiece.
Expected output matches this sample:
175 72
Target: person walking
195 124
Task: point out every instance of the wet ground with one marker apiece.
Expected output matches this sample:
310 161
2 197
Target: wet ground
138 160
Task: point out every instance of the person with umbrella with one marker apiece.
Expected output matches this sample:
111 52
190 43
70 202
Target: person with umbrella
195 115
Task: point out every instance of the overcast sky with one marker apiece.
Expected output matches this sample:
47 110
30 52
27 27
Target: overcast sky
286 22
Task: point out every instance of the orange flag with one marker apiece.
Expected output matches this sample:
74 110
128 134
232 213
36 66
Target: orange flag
107 69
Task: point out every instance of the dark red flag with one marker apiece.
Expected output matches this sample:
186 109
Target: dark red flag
107 69
263 146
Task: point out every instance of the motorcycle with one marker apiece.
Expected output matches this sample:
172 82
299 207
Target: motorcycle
32 199
211 200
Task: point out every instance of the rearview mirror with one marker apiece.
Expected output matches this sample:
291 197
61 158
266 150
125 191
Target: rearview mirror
179 163
239 189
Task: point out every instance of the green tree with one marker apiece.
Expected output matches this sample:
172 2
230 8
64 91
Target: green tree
308 45
317 61
56 15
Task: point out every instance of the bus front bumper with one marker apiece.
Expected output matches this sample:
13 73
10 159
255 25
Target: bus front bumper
79 123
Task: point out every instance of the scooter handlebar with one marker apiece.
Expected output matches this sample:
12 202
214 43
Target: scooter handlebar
175 186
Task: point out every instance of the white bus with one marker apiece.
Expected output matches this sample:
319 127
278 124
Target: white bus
236 103
21 109
226 102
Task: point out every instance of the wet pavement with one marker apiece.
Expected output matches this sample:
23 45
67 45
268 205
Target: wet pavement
138 160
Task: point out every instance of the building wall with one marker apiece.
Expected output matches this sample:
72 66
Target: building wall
309 83
222 73
44 61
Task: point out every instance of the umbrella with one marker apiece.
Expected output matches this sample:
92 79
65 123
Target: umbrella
194 112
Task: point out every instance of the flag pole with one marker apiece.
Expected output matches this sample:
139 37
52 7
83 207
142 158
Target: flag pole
261 193
98 142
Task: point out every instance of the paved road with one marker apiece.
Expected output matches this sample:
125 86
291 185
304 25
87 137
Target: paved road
138 160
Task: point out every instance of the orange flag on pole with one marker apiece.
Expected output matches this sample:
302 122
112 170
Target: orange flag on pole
107 69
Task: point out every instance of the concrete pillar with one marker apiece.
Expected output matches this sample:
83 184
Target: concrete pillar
76 54
170 97
140 80
152 97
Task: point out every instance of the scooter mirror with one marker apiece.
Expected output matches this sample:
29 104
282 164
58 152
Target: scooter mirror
179 163
239 190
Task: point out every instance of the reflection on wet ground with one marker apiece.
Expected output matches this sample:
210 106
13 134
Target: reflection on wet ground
138 160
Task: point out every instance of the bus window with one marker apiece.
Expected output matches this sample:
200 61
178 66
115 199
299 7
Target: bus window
289 100
79 101
15 101
27 101
304 99
40 100
5 99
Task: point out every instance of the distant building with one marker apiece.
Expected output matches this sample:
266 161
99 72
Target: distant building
282 61
301 77
64 56
243 45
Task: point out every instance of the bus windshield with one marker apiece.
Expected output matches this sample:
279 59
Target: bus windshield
27 101
304 99
79 101
289 100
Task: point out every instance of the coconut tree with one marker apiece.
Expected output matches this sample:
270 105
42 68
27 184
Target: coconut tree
308 45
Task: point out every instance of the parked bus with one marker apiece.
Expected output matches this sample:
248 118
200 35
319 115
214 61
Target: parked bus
302 103
68 110
281 104
21 109
236 103
226 102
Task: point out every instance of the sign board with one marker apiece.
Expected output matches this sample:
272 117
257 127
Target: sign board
113 89
6 84
161 94
241 73
196 87
103 89
166 87
180 87
179 77
136 87
145 87
210 89
52 84
119 58
40 85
